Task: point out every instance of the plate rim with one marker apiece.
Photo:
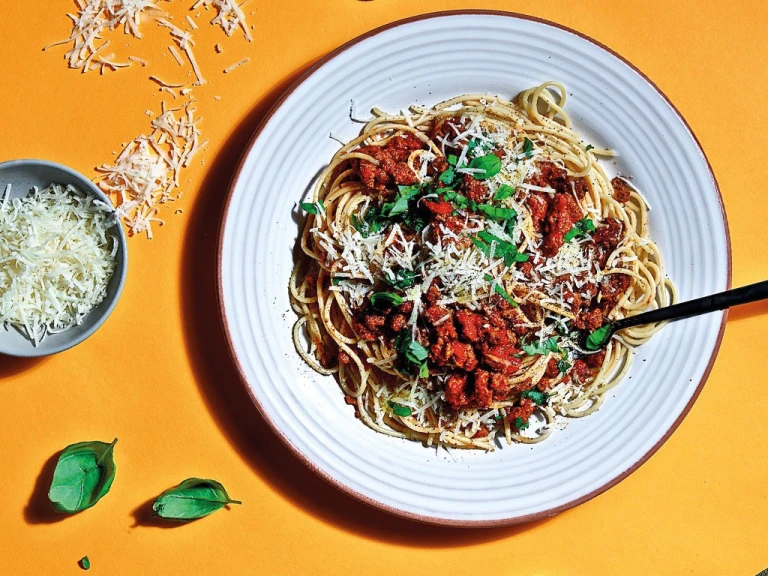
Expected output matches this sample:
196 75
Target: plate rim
436 520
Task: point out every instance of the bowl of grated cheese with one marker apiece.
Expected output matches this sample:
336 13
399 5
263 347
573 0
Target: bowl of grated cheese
63 258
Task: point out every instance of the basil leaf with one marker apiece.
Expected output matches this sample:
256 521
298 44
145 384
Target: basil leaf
401 278
589 147
313 207
499 289
398 409
448 176
458 199
504 192
482 246
490 164
382 300
424 371
85 563
497 213
563 365
539 349
400 205
83 475
579 229
599 337
452 159
520 425
537 396
372 222
416 353
192 499
335 281
527 148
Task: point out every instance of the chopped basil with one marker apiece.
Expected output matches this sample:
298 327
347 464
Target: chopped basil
477 143
401 278
499 289
504 192
489 164
452 159
456 198
313 207
589 147
335 281
581 228
372 222
563 365
400 205
382 300
539 348
414 353
448 176
502 248
537 396
424 371
399 409
520 424
527 148
599 337
497 213
498 417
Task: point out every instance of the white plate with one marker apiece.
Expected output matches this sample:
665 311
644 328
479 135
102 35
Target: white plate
425 60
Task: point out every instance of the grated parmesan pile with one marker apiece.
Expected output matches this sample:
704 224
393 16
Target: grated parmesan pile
94 18
57 259
146 172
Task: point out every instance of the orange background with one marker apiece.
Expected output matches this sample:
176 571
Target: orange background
158 377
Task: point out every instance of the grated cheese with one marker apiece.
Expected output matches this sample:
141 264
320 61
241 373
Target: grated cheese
148 170
94 18
229 16
57 259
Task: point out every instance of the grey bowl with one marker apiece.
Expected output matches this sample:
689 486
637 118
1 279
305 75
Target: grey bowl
23 175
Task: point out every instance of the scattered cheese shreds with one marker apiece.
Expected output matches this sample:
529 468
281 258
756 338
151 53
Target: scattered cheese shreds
229 16
93 19
146 172
58 258
236 65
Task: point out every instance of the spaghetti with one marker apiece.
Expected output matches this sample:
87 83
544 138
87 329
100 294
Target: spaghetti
451 261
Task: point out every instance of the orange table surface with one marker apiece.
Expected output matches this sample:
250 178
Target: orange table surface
158 376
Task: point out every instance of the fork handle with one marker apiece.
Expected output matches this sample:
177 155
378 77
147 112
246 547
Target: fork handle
703 305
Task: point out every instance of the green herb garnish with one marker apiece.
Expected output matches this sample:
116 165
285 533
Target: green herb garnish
457 199
599 337
335 281
527 148
313 207
400 205
452 159
383 300
192 499
83 475
497 213
504 192
489 164
589 147
414 353
372 222
401 278
399 409
520 424
501 248
499 289
536 396
563 365
581 228
539 348
448 176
